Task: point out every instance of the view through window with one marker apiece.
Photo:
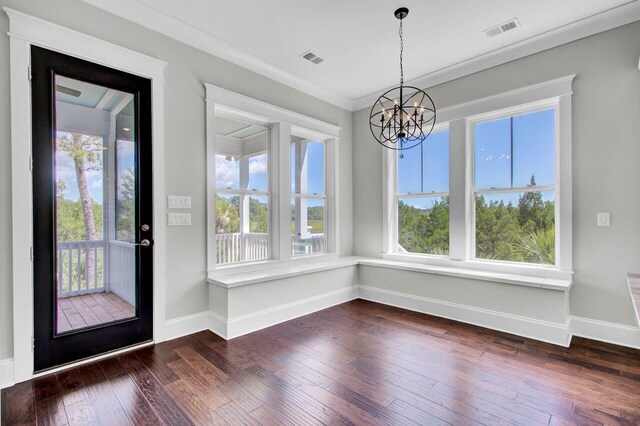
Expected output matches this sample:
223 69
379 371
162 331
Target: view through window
514 162
423 197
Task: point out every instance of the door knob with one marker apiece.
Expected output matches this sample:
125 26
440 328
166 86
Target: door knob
143 243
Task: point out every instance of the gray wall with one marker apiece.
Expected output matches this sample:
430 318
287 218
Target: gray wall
185 166
606 151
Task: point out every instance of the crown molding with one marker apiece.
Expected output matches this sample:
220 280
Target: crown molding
156 20
594 24
169 26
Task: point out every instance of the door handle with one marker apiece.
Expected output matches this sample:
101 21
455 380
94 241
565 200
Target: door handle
143 243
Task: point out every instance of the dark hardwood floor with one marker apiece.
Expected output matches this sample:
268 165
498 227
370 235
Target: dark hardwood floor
357 363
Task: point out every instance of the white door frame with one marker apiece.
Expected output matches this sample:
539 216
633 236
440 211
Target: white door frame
25 31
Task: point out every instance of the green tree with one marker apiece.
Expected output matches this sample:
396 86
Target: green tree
85 151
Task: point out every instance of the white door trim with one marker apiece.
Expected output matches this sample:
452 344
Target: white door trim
25 31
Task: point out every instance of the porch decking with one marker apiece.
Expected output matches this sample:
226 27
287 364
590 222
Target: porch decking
91 309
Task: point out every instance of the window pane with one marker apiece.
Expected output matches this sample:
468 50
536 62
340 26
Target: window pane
227 214
409 174
258 167
307 166
423 225
533 149
241 155
516 227
307 225
436 162
493 154
258 214
255 244
227 172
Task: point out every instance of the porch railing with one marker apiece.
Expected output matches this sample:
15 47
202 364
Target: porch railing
236 247
86 267
313 244
80 268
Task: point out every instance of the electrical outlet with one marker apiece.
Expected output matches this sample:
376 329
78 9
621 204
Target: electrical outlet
179 219
604 219
179 201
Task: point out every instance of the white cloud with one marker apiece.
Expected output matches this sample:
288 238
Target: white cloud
258 164
227 172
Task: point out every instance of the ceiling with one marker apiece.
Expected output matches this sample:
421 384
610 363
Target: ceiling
90 95
358 39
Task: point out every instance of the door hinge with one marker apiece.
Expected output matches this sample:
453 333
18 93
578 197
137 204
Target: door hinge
30 163
33 343
29 73
31 253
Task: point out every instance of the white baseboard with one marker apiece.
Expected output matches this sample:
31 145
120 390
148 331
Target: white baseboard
239 326
557 334
257 321
618 334
187 325
6 373
218 325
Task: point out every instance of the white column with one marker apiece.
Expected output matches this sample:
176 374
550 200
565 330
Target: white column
244 207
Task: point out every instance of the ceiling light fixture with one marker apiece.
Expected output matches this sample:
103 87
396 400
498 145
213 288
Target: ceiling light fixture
126 129
403 117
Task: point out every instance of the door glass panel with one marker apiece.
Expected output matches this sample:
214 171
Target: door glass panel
95 170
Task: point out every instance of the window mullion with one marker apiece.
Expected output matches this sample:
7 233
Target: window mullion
459 190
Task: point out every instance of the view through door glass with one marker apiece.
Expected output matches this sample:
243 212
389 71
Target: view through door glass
95 205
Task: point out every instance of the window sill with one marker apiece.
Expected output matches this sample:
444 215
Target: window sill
273 270
531 276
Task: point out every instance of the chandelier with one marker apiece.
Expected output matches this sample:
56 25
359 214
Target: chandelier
403 117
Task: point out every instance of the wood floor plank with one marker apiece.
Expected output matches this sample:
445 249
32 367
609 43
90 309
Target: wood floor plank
138 409
18 405
356 363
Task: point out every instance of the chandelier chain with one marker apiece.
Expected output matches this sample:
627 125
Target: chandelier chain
401 51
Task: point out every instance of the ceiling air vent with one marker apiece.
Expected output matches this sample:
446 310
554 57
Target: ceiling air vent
499 29
312 57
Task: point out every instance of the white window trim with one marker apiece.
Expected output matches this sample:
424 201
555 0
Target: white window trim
556 92
282 124
25 31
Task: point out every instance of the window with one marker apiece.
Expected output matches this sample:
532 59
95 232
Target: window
308 198
423 197
242 195
490 188
515 187
272 185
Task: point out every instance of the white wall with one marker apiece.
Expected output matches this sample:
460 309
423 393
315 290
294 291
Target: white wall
606 176
187 70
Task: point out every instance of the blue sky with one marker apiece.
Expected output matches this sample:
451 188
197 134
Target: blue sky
533 154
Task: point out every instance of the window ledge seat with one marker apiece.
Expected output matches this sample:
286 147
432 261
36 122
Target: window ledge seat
255 277
276 273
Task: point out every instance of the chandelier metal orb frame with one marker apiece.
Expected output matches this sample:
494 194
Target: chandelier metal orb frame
403 117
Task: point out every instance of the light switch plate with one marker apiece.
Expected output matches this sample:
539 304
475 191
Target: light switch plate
179 219
179 201
604 219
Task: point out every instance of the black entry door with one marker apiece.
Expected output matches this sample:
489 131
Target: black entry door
92 209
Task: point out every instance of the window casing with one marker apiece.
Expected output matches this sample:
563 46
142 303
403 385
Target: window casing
554 96
275 192
514 190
